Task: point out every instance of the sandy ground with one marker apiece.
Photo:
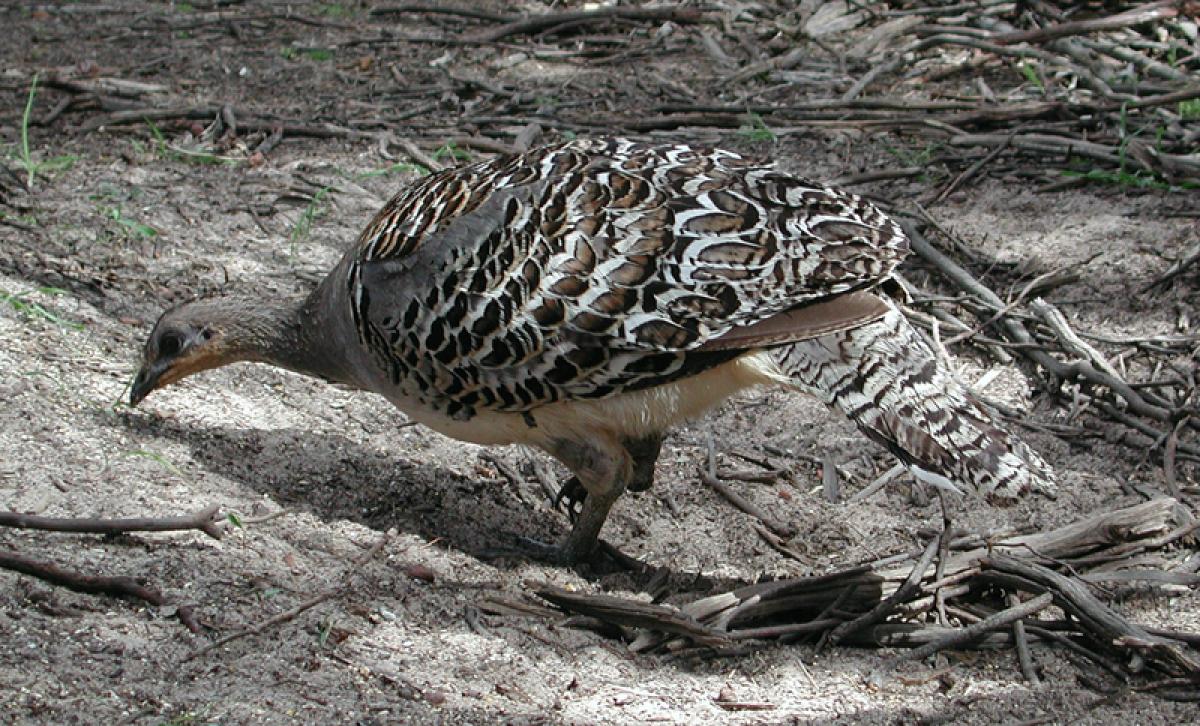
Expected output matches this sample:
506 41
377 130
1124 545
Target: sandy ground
128 230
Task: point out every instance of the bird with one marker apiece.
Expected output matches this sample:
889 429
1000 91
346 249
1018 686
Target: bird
585 297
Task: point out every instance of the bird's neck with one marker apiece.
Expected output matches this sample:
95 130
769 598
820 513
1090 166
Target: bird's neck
294 334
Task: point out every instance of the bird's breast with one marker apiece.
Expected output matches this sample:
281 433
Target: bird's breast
632 414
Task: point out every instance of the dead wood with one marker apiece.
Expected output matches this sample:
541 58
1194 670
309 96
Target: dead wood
1145 157
1084 369
95 584
440 9
1141 14
1180 266
1102 127
547 21
1021 641
631 613
960 636
708 475
889 604
203 520
1107 628
851 606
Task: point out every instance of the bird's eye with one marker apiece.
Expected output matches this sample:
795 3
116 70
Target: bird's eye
170 344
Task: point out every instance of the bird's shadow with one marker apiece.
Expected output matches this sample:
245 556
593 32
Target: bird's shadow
337 478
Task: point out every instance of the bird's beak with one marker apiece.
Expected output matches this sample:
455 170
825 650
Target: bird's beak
165 371
147 379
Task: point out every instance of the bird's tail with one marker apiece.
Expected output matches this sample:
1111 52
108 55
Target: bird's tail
887 379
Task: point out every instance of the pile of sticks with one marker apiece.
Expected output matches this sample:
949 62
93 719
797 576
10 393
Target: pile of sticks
1158 412
1102 97
963 592
1082 93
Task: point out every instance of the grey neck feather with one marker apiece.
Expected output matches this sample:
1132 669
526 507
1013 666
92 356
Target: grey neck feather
296 334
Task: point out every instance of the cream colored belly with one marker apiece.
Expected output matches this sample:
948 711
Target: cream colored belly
631 415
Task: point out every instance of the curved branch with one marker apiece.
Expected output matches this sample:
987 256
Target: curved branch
203 520
94 584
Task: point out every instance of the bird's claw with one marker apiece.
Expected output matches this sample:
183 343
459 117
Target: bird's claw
573 494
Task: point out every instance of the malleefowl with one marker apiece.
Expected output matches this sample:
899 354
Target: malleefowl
584 297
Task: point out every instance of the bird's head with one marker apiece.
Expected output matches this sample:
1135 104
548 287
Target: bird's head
187 339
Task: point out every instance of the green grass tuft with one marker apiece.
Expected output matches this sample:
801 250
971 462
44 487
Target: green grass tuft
397 168
453 152
1032 76
166 151
134 227
23 305
303 226
914 157
334 10
755 129
33 167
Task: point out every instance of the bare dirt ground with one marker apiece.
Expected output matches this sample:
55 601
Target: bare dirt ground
137 216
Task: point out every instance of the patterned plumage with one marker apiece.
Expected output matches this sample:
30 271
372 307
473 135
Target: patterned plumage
590 268
886 378
586 296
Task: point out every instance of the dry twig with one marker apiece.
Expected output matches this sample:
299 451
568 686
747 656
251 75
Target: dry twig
308 604
203 520
95 584
851 605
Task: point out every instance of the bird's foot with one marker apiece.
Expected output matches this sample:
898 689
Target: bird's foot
603 558
528 548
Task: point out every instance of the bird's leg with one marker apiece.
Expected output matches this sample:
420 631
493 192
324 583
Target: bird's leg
603 469
644 453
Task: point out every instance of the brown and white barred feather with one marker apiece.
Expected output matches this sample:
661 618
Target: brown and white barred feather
886 378
593 270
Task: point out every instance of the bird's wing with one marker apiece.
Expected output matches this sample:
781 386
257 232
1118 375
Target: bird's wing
603 250
833 315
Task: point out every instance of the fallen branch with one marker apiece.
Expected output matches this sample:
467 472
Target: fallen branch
538 23
632 613
1014 330
1107 628
440 9
1021 640
1177 268
95 584
1147 158
206 112
203 520
960 636
708 475
849 606
888 605
1143 14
